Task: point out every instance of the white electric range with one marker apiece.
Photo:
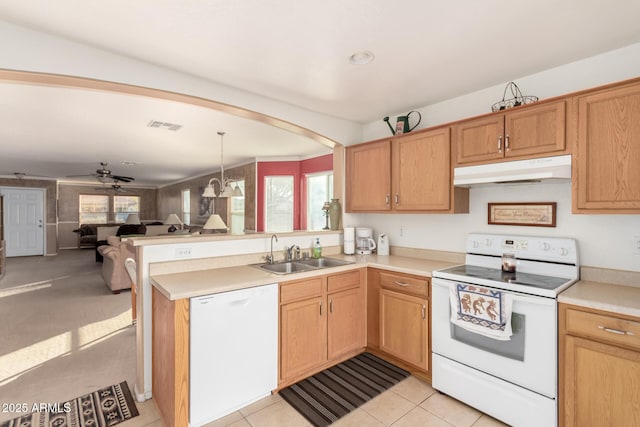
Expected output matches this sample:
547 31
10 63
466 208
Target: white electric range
514 380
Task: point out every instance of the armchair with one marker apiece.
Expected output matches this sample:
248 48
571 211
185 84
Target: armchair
114 273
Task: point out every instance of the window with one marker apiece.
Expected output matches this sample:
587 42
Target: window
186 206
278 214
319 190
94 209
236 211
125 205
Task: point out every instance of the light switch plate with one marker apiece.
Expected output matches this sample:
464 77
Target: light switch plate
636 245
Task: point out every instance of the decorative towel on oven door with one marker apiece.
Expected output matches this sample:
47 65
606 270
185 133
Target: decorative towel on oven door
481 310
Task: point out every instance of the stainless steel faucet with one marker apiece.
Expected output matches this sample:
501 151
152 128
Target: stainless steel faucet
293 252
269 257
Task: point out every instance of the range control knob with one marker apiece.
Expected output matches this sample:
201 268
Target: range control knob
475 244
564 251
488 242
545 246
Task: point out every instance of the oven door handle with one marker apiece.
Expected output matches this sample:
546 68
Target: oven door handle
529 299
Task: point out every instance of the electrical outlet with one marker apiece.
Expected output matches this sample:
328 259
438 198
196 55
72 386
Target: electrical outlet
401 231
636 245
182 252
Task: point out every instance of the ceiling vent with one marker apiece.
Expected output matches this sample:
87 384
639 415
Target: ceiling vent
163 125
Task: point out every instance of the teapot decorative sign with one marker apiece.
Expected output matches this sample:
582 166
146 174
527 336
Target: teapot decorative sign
402 123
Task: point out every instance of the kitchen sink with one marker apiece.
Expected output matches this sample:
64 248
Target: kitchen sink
325 262
288 267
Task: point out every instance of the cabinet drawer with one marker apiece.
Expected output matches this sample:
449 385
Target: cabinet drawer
350 279
300 289
603 327
405 284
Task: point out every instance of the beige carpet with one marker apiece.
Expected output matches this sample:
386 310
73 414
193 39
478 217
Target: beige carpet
62 333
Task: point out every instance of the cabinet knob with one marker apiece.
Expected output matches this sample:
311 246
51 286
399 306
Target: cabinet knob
506 143
424 312
387 199
500 144
397 199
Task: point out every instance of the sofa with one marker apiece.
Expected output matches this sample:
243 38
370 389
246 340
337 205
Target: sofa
104 231
87 235
114 255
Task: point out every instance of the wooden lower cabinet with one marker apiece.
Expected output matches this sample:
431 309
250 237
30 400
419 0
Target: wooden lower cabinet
599 369
398 319
404 327
303 334
322 321
170 367
345 322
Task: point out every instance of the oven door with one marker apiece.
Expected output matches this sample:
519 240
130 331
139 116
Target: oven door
528 359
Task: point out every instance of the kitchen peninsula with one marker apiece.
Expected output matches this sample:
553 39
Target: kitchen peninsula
345 292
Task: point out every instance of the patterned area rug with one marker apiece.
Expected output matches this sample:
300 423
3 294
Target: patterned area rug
105 407
334 392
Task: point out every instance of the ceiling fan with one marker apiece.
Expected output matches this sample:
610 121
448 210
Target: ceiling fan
117 188
104 175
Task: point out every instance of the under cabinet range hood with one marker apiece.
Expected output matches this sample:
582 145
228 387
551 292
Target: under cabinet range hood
518 171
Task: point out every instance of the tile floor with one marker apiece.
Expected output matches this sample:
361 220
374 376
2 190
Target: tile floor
410 403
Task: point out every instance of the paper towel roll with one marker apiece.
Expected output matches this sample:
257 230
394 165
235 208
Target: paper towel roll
349 240
349 248
349 234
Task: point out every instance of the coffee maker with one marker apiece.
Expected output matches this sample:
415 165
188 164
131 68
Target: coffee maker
364 241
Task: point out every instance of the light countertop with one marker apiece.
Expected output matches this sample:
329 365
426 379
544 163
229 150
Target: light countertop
603 296
191 284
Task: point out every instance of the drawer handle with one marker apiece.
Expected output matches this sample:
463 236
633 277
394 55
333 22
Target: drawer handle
404 285
615 331
424 312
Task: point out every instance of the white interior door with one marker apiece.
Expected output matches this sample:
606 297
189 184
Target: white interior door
24 221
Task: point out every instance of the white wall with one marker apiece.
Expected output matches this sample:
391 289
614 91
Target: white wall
603 240
28 50
613 66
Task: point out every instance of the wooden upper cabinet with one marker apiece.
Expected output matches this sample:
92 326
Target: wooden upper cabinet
477 140
410 173
421 171
368 171
527 132
606 152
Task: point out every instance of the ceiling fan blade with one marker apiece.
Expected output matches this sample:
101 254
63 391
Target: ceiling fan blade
122 178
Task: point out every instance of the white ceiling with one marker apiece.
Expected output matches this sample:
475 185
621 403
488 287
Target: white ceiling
292 51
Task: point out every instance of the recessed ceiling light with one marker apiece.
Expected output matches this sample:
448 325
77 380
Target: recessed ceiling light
129 163
361 58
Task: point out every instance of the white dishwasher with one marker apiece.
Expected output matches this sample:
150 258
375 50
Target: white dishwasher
233 351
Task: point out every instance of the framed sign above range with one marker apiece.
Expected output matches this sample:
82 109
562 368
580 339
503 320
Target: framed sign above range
539 214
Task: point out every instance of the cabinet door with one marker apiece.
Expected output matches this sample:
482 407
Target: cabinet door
373 308
421 171
303 336
404 327
479 140
535 130
368 177
346 327
606 154
601 384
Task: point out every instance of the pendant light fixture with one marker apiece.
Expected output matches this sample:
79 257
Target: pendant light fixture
226 190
